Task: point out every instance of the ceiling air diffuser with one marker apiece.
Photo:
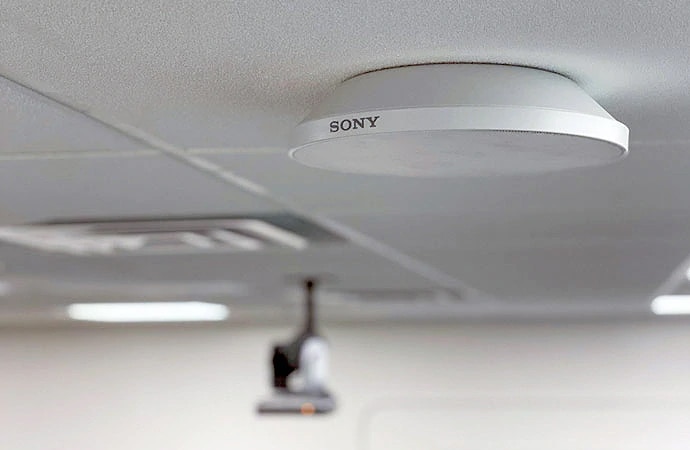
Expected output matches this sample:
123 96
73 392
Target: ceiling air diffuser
458 119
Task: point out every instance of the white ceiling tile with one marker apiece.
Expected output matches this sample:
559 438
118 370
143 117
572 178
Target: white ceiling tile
610 232
614 261
30 122
46 278
33 190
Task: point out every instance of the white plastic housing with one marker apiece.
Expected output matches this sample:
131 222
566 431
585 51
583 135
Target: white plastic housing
458 119
313 365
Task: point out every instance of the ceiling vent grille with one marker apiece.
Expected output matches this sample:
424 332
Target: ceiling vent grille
169 236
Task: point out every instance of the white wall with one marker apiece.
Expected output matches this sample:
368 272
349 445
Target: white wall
195 388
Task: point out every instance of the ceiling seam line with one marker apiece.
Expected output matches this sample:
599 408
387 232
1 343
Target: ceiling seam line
363 241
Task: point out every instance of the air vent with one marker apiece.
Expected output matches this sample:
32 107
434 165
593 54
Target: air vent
169 236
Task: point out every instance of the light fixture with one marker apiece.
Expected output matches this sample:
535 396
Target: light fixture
148 312
671 305
458 119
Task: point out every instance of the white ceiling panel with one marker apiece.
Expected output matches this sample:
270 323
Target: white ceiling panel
30 122
36 279
528 268
341 264
34 190
610 232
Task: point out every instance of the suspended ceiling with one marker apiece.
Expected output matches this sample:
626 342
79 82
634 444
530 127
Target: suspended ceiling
140 109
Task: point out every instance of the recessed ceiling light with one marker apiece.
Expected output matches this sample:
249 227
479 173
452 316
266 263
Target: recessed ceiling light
148 312
671 304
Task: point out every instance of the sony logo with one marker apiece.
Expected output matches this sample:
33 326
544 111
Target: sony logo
353 124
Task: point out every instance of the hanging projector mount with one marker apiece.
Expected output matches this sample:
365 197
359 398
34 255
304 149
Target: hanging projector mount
458 120
305 357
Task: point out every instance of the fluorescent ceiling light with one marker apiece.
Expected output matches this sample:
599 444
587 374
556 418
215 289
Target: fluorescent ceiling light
671 304
148 312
